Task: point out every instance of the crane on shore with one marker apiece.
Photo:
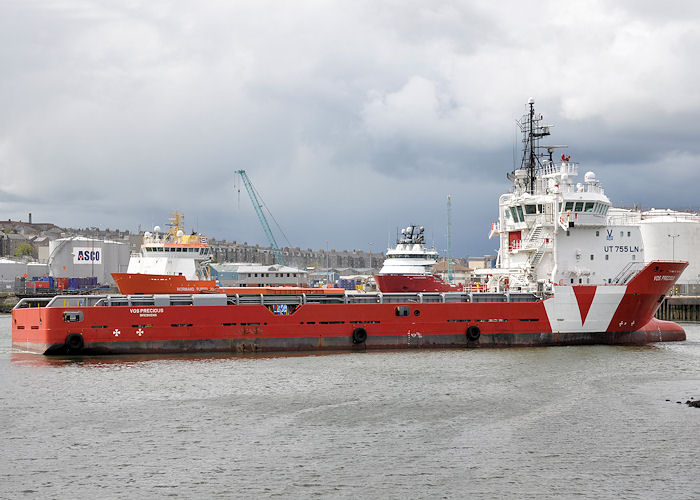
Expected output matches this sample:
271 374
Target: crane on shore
258 206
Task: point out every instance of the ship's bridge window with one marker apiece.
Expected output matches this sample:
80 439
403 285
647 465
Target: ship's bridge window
540 209
578 207
588 207
520 213
569 206
530 209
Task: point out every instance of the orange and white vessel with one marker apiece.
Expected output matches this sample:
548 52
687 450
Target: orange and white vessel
168 262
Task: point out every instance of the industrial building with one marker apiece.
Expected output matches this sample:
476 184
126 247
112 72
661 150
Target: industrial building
80 257
246 274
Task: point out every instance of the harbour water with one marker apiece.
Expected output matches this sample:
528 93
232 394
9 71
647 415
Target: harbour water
591 421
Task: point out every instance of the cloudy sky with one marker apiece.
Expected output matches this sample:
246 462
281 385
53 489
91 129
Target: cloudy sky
351 118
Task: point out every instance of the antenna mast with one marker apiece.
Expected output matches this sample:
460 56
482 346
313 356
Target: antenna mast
450 271
532 132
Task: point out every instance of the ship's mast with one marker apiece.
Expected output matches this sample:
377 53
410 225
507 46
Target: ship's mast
532 133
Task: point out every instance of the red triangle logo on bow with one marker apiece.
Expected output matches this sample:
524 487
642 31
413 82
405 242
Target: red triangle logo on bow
584 297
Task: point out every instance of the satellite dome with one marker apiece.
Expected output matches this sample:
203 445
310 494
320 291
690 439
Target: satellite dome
156 229
180 233
589 177
147 234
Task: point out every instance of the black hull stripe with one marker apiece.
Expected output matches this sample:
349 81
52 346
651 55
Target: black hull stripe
316 344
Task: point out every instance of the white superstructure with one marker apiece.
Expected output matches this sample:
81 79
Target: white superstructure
556 228
173 253
410 256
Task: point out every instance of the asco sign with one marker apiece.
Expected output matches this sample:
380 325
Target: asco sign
87 255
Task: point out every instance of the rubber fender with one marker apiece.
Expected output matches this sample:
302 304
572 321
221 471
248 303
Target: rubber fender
74 342
359 335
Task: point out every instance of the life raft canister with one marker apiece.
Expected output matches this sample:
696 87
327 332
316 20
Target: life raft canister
359 335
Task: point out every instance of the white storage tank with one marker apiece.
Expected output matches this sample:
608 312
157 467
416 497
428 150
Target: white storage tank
80 257
671 235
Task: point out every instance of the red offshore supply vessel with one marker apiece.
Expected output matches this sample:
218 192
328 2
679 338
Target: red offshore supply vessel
570 270
408 266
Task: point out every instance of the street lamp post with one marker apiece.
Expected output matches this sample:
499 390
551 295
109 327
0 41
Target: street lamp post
673 245
370 256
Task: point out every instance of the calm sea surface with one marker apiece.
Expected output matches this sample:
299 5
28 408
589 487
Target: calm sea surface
529 422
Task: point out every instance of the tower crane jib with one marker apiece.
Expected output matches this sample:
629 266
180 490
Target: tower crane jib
257 205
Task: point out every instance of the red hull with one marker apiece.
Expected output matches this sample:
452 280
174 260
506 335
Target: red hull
133 284
151 284
344 322
413 283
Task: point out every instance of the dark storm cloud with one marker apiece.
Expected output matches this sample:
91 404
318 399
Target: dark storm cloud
351 118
